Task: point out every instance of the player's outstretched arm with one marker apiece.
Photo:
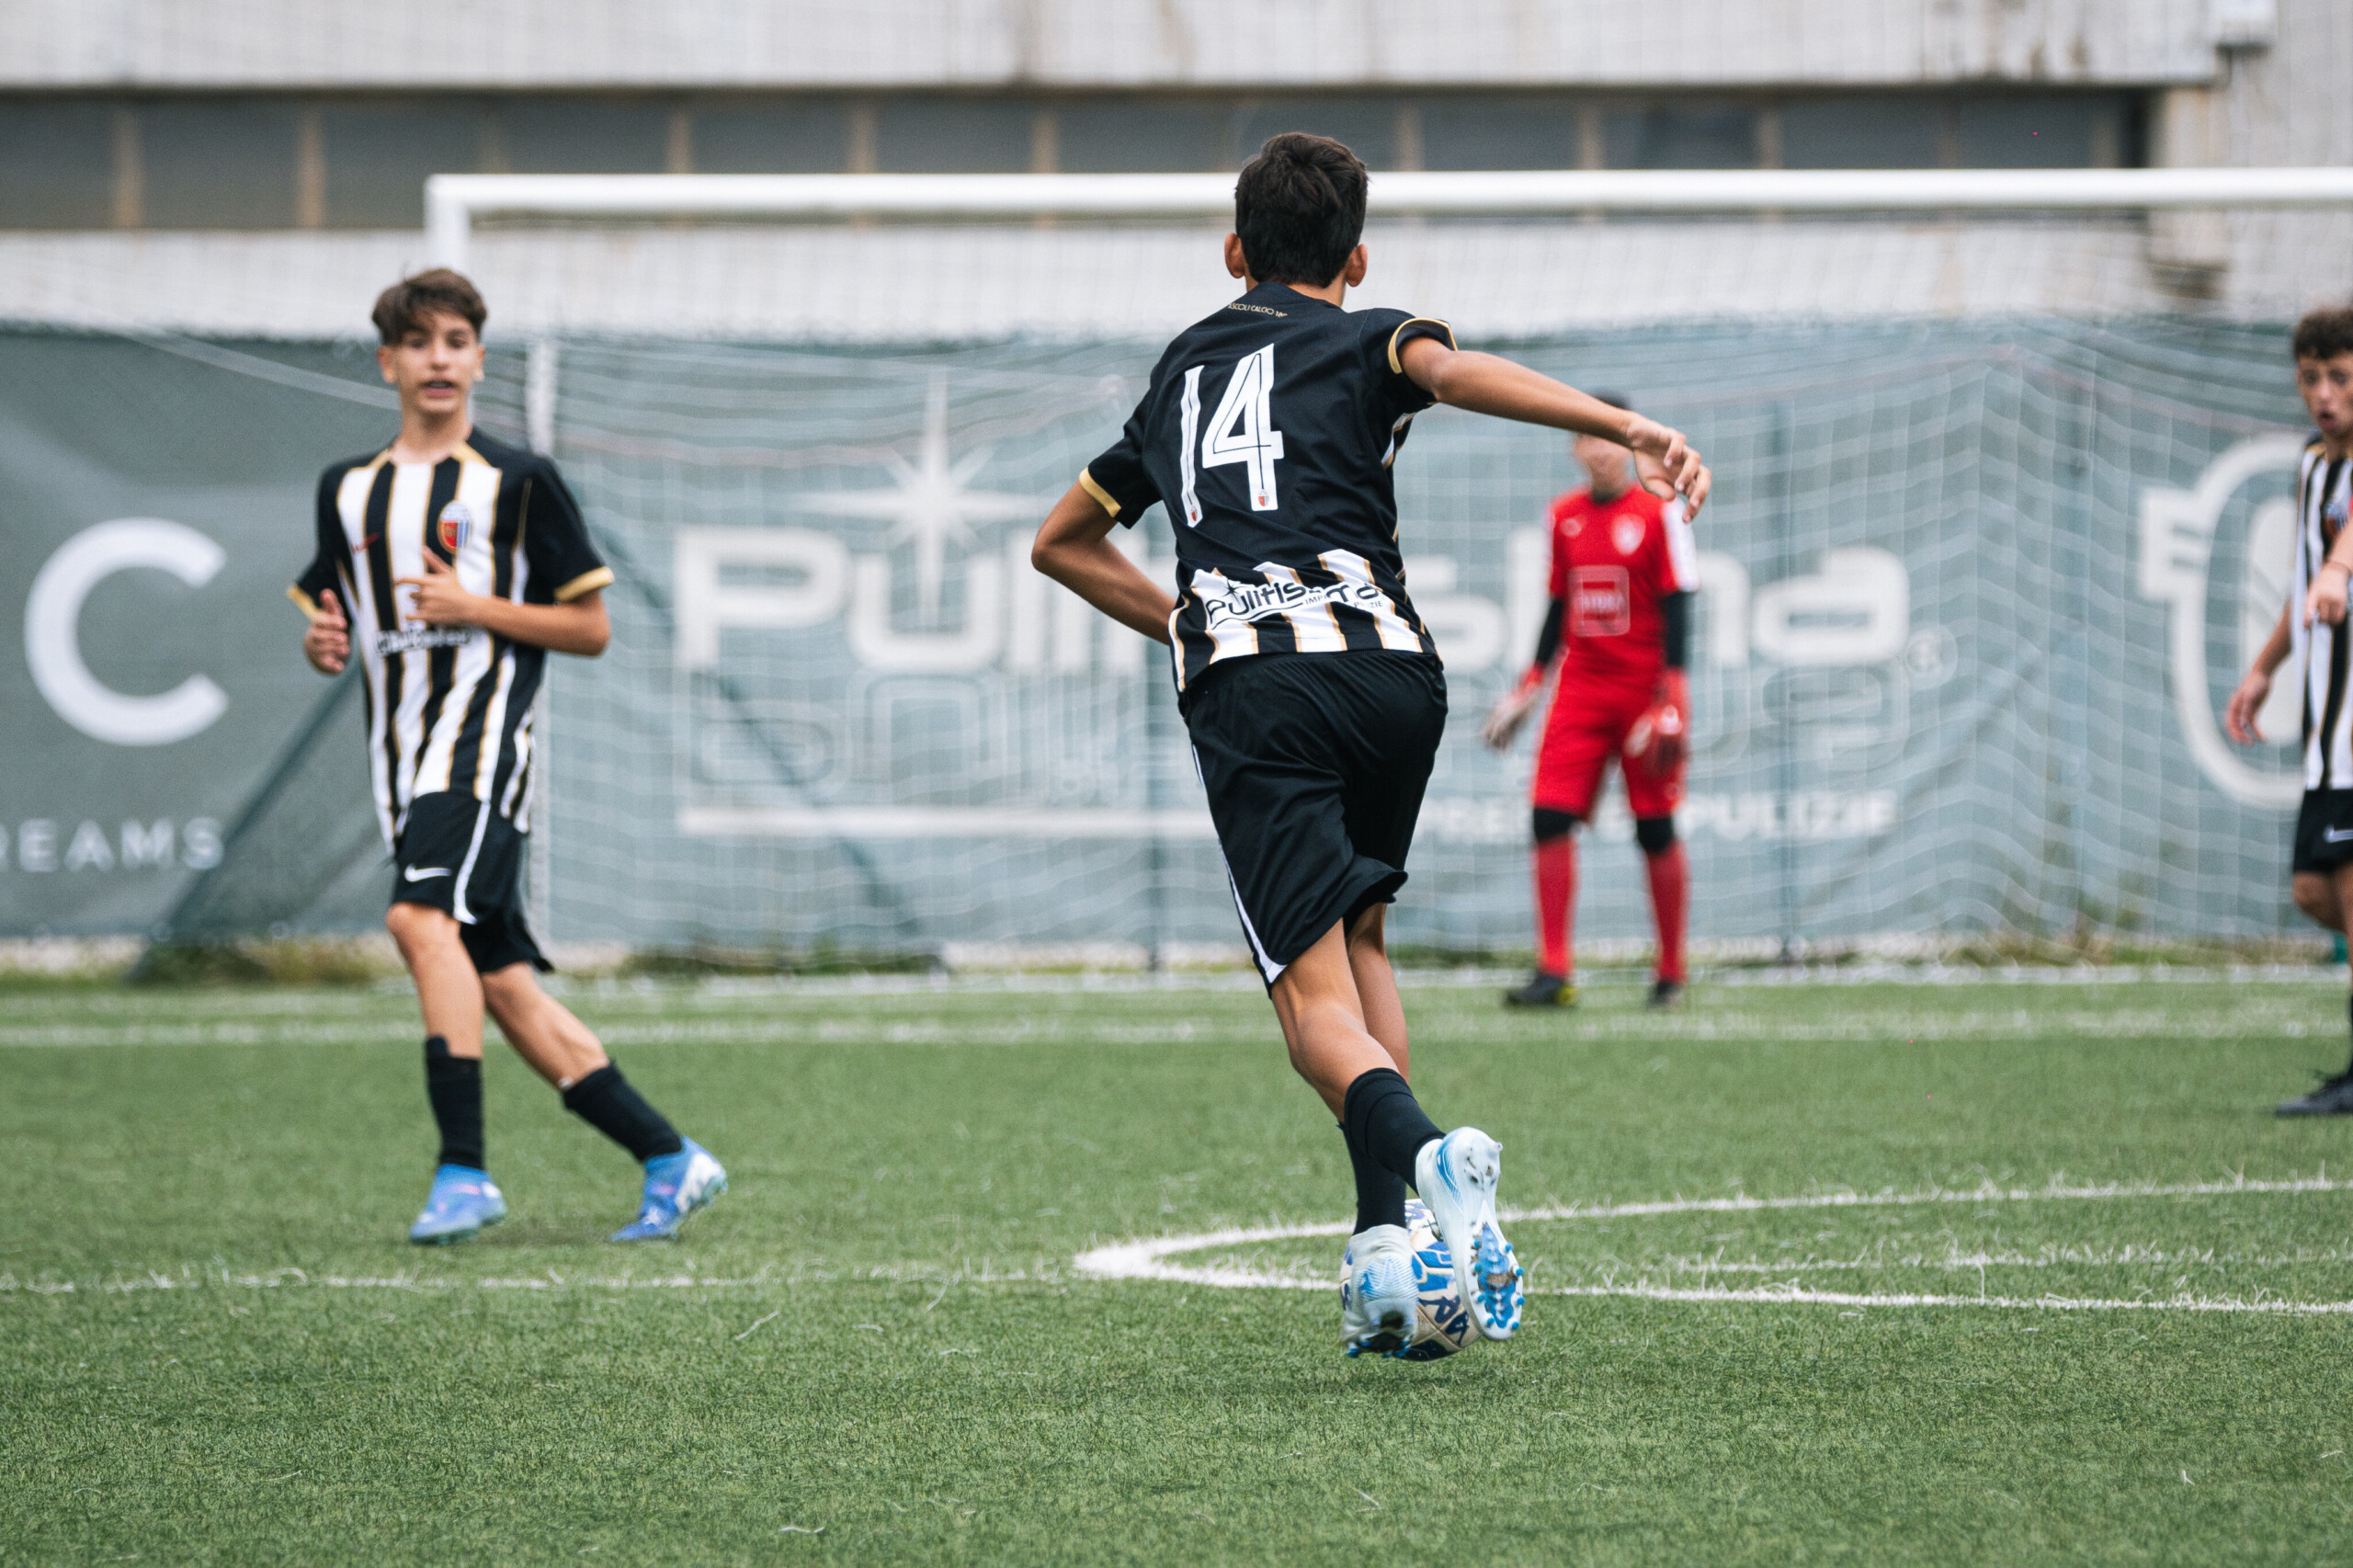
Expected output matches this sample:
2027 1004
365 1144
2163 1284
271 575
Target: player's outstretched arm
2238 714
580 627
326 642
1484 383
1074 549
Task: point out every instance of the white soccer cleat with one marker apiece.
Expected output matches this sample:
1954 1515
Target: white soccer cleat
1377 1293
1456 1176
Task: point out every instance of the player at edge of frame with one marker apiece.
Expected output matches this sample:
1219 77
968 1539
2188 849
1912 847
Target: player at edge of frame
1624 568
452 564
1312 692
2313 630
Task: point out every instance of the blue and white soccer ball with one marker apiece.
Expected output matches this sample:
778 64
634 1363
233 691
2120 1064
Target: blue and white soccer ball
1441 1320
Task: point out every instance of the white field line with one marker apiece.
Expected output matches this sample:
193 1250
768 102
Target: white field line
297 1278
1792 1295
278 1021
1147 1259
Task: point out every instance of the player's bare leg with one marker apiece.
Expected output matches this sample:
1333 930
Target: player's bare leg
544 1031
2325 897
2322 897
448 989
1322 1013
1383 1009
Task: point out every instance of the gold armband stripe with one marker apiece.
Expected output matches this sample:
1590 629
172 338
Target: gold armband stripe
587 583
1396 365
1103 497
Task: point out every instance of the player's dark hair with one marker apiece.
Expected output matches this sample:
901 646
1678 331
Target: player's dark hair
1615 399
403 308
1299 208
2324 333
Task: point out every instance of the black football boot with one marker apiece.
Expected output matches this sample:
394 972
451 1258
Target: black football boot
1544 991
2333 1096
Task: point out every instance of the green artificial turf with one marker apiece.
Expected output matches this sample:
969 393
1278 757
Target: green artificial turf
215 1345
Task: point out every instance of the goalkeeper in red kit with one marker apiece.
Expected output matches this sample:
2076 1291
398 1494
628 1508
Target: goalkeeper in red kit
1619 625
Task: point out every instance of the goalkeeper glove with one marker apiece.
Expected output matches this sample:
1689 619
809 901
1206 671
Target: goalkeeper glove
1659 737
1503 722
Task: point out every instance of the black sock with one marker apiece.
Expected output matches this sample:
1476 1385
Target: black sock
1381 1116
2348 1018
453 1084
1381 1195
606 1102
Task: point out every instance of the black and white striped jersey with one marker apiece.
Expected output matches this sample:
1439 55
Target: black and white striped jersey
1267 433
448 707
2324 492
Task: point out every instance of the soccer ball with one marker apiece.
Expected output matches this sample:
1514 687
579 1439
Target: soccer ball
1441 1321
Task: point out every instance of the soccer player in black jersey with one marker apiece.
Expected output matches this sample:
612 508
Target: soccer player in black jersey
2314 633
463 561
1310 688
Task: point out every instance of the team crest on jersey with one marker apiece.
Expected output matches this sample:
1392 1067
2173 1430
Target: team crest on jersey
1626 533
1573 527
457 526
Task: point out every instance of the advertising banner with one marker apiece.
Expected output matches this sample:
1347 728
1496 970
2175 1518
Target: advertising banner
150 669
1970 596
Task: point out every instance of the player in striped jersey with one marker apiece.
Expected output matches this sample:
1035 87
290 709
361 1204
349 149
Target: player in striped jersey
2314 630
1311 689
453 564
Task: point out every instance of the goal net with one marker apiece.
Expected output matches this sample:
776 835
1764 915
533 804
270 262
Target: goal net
2000 516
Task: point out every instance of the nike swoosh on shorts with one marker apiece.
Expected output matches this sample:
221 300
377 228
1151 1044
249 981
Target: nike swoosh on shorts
423 873
2330 835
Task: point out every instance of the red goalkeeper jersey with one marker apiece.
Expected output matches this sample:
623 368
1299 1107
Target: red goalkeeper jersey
1612 562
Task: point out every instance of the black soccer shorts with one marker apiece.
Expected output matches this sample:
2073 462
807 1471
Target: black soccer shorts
2324 831
1314 764
457 855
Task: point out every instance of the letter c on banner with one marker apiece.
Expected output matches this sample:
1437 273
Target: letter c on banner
53 631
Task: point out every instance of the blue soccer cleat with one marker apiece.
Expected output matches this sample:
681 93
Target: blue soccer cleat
676 1185
462 1201
1456 1176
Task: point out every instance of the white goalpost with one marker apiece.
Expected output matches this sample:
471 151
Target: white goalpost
454 202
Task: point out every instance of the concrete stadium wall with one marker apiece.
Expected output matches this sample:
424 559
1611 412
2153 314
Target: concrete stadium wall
971 43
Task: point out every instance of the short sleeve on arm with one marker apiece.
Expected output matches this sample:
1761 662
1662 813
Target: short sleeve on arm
1559 587
564 564
1408 397
1117 479
1682 552
309 589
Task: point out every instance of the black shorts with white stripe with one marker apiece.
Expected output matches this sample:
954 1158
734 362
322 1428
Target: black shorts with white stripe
457 855
2324 831
1315 769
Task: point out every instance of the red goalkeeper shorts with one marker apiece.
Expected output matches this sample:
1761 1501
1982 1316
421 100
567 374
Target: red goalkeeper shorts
1586 730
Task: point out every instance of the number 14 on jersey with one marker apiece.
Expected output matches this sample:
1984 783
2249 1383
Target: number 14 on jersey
1241 431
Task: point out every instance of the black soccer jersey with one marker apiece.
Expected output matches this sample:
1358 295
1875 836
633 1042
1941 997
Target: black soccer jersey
449 707
1267 432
